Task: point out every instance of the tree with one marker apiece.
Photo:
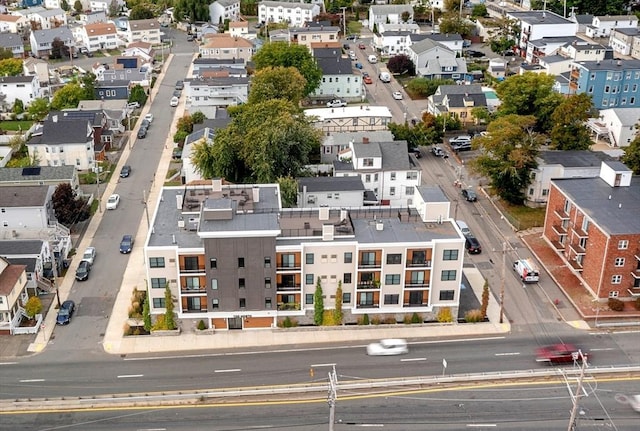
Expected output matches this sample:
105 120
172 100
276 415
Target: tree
503 32
141 11
5 53
479 11
594 7
77 6
114 10
192 10
146 314
508 155
64 5
88 82
185 123
452 23
67 97
33 307
18 107
17 143
529 94
138 94
568 131
416 135
401 64
68 208
203 158
318 304
277 83
38 109
11 67
485 298
283 54
198 117
631 156
169 319
337 313
288 191
423 87
57 48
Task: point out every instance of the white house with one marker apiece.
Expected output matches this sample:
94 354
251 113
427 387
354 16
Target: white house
389 13
617 124
391 43
33 211
536 24
337 192
622 41
25 88
93 17
339 78
435 61
99 36
13 296
295 14
36 255
602 26
12 23
68 142
205 94
48 18
189 171
334 143
143 30
97 5
221 10
40 68
143 50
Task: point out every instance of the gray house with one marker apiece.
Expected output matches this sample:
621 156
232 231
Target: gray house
13 42
337 192
42 40
111 90
39 175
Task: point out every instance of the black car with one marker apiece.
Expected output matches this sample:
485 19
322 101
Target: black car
177 93
190 38
509 53
472 244
179 85
142 132
145 123
416 152
126 244
475 54
125 171
469 195
65 312
82 273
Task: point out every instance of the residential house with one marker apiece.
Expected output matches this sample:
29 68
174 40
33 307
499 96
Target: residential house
339 79
99 36
94 17
610 83
37 257
225 47
25 88
52 4
102 135
392 43
334 143
617 126
497 68
540 48
103 5
143 30
12 23
133 75
143 50
336 192
12 42
205 94
189 172
350 118
386 168
222 10
435 61
315 37
38 68
389 13
231 67
537 24
204 29
293 13
561 164
594 226
582 20
622 40
602 26
452 41
46 19
41 40
241 29
13 296
40 175
112 90
457 101
63 142
235 259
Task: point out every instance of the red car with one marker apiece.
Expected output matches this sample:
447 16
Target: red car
361 46
367 80
559 354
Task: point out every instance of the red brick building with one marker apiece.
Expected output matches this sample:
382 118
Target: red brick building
594 225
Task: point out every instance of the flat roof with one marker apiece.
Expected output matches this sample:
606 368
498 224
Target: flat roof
349 112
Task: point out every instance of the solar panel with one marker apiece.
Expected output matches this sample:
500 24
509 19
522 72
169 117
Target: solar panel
35 170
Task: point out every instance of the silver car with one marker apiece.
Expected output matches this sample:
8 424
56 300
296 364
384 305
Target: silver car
89 255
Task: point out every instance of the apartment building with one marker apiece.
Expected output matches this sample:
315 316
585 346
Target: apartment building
610 83
537 24
233 257
594 226
293 13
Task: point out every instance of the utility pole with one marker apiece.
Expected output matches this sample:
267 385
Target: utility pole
344 21
576 397
146 207
332 397
502 279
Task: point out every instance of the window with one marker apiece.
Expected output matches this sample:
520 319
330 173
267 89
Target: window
567 207
267 262
346 297
368 258
308 298
267 282
446 295
545 192
215 303
156 262
412 175
348 257
409 190
392 279
394 259
450 255
192 283
365 298
241 283
616 279
585 224
287 261
243 303
191 263
214 284
346 277
158 283
308 279
393 176
448 275
623 244
619 261
367 162
391 299
309 258
267 303
392 191
158 302
213 263
614 294
241 262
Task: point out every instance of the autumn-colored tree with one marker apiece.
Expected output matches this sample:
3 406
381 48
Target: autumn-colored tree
337 312
11 67
318 304
67 97
401 64
485 299
277 83
288 191
569 131
67 207
33 307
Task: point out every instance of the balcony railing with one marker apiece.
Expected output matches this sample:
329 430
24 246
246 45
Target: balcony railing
283 306
288 267
188 289
409 304
415 263
413 285
288 286
559 229
367 306
199 268
561 214
577 249
370 264
368 285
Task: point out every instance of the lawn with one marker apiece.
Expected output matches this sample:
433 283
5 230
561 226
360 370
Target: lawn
16 125
522 217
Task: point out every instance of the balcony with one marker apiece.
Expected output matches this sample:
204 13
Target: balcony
370 264
575 74
561 214
192 289
369 284
580 233
288 267
575 265
416 284
559 229
368 306
288 286
409 304
419 263
578 249
558 245
288 306
193 269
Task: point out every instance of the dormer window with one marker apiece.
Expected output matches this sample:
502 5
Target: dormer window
367 162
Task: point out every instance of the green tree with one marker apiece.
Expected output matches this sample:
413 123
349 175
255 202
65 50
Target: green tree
529 94
77 6
38 109
401 64
138 94
452 23
502 33
185 123
33 307
631 156
288 191
423 87
203 158
479 11
318 304
88 84
64 5
67 207
416 135
114 8
179 137
169 318
192 10
337 313
568 131
146 313
67 97
11 67
277 83
508 155
17 143
198 117
285 55
142 11
18 107
452 6
5 53
485 298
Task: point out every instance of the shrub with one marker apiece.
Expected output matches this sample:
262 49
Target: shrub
444 315
365 319
160 324
287 322
406 319
485 298
389 320
636 303
473 316
126 330
33 307
375 320
615 304
416 318
201 325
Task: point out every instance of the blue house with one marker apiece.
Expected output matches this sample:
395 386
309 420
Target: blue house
30 3
111 90
610 83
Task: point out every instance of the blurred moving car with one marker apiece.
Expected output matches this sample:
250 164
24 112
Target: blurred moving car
82 273
469 195
89 255
126 244
397 95
113 201
336 103
65 312
560 353
362 46
437 151
388 347
358 65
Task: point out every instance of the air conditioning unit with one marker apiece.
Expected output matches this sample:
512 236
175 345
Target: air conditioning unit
311 200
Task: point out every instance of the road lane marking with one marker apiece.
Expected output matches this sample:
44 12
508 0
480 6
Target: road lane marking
8 363
130 376
31 380
508 354
230 370
413 359
604 349
481 425
322 365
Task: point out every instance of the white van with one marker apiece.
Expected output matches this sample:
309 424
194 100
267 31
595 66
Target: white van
373 59
463 227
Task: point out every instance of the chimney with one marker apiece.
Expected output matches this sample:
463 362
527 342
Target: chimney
256 194
323 213
379 225
216 184
365 140
179 201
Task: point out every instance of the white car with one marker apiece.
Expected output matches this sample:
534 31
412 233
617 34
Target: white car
174 101
89 255
336 103
388 347
397 95
113 201
149 117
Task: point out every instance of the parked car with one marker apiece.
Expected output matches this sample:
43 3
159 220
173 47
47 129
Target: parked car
472 244
437 151
174 102
367 80
559 354
508 53
190 38
469 195
126 244
142 132
352 55
475 54
89 255
463 227
65 312
388 347
145 123
179 85
362 46
397 95
353 37
113 201
461 146
177 93
125 171
82 273
358 65
466 43
149 117
345 46
177 153
336 103
460 138
416 152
